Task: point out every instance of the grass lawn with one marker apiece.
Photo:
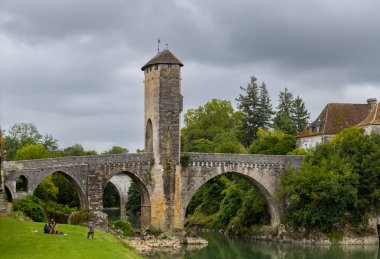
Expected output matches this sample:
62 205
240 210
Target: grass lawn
20 240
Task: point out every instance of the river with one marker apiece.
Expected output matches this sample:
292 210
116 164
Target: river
222 247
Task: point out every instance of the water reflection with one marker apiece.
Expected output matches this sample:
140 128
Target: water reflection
221 247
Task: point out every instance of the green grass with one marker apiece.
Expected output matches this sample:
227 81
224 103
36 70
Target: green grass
19 240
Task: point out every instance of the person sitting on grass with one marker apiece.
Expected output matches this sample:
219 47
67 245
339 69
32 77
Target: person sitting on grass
91 231
46 229
52 226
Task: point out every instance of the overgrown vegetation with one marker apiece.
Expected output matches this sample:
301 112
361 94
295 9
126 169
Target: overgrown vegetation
32 207
337 185
124 226
227 202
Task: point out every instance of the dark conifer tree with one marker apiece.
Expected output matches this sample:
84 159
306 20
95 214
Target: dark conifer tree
256 106
283 120
299 113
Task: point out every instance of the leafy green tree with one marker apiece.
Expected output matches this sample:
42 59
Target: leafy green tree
272 142
205 125
32 151
22 134
78 150
299 114
67 194
257 109
320 195
47 190
337 184
116 150
227 202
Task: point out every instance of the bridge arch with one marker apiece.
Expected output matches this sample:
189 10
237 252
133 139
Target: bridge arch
262 187
145 196
71 179
21 184
8 193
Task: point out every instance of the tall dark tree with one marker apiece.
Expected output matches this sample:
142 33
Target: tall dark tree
299 113
265 108
283 120
255 104
285 102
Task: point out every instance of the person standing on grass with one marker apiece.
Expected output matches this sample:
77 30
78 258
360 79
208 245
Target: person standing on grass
91 231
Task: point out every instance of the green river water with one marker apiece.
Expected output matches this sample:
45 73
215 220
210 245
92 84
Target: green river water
222 247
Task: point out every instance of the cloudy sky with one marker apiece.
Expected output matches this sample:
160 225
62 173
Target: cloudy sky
73 67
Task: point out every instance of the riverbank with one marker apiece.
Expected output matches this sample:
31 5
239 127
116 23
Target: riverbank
148 244
285 234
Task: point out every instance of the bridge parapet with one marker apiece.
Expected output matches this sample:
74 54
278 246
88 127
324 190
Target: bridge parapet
133 159
273 162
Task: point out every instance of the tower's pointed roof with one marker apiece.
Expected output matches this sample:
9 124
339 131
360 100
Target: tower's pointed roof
373 117
163 57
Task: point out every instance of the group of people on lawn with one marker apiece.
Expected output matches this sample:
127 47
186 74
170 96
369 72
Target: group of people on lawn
51 228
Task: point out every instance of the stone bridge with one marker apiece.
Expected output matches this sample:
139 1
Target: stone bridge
166 186
90 174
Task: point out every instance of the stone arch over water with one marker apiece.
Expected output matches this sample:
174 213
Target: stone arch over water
145 219
268 194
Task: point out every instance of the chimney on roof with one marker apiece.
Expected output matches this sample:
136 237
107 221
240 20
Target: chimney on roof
371 103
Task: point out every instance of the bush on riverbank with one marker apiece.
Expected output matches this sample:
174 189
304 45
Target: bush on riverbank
337 185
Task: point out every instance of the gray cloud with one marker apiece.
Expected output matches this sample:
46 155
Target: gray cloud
73 67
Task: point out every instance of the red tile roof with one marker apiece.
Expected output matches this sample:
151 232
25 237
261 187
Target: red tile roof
373 117
336 117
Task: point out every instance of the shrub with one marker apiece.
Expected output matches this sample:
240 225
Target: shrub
31 207
124 226
80 217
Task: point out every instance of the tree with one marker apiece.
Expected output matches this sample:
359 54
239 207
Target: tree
78 150
22 134
283 120
32 151
299 114
284 123
133 205
257 110
265 108
273 143
116 150
338 183
285 103
205 126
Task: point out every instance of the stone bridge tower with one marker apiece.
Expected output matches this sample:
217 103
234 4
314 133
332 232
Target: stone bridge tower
163 105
